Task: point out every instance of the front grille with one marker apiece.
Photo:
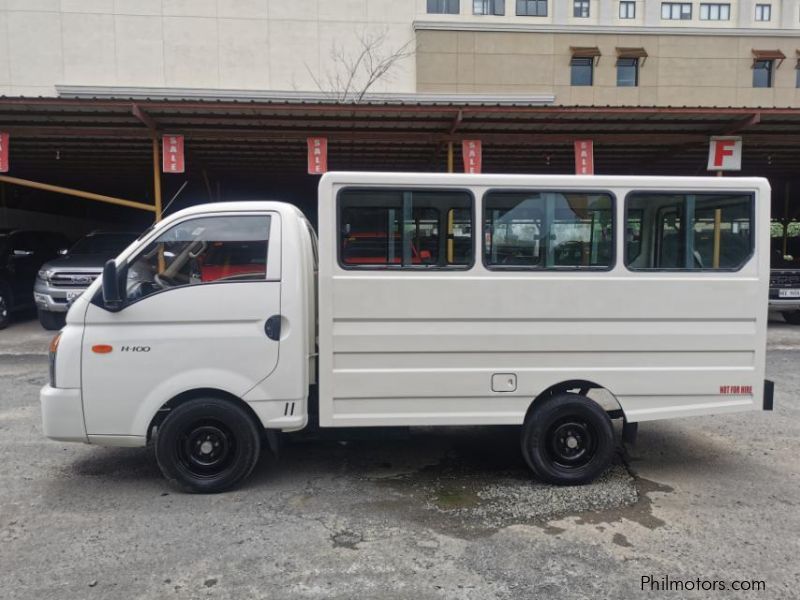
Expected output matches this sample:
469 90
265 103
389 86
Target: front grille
74 280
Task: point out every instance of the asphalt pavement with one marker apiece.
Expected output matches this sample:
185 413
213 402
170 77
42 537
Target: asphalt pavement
436 514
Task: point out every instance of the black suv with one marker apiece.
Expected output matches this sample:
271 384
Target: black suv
784 281
21 254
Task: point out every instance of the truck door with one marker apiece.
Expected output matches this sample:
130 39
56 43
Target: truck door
199 311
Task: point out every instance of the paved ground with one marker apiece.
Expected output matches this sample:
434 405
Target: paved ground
450 515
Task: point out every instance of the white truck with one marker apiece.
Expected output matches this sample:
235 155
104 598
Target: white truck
555 303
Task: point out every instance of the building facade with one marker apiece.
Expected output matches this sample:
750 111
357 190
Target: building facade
582 52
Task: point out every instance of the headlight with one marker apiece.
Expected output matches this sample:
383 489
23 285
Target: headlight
44 274
52 356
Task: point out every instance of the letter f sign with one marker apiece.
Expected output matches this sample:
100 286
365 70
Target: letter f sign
725 154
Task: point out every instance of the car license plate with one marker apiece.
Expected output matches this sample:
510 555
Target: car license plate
789 293
74 295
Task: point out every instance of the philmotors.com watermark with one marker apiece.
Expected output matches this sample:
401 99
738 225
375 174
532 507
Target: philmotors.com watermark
665 583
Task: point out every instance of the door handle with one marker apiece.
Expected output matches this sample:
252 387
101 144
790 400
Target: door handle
273 327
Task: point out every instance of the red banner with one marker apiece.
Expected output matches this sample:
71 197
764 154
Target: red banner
3 152
317 155
473 156
584 157
172 151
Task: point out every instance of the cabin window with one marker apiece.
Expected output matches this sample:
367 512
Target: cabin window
688 232
548 230
405 229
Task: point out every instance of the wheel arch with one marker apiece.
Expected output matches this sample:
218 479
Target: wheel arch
612 406
193 394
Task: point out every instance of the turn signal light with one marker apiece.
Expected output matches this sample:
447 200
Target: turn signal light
54 343
101 348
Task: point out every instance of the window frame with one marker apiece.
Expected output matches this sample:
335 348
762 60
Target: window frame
770 73
753 229
401 267
578 6
636 65
494 8
763 6
709 6
271 275
446 6
627 4
681 6
549 270
572 65
525 13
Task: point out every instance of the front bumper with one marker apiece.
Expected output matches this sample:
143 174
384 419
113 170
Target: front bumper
784 304
62 414
53 299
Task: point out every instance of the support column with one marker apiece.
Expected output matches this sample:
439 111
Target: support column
157 178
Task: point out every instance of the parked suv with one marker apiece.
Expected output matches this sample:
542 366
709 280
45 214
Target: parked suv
21 253
62 280
784 285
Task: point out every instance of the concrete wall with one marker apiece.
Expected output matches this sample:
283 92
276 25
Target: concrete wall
679 71
218 44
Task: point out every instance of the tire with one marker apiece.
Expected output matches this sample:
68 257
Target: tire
51 320
792 317
207 445
5 309
551 429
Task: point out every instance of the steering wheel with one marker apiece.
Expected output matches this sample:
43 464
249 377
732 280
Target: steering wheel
163 281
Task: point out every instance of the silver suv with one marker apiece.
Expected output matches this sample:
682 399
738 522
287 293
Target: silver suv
62 280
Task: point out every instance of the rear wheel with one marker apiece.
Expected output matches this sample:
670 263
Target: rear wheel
792 317
207 445
5 316
51 320
568 440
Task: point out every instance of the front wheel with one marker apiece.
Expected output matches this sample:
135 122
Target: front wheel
792 317
207 445
568 440
51 320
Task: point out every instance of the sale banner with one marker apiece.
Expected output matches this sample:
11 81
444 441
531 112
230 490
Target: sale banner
584 157
317 155
172 152
473 156
4 138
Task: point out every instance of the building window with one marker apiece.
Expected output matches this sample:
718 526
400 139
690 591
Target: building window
715 12
489 7
580 8
532 8
405 229
443 7
763 12
627 72
676 11
548 230
581 70
627 10
688 232
762 73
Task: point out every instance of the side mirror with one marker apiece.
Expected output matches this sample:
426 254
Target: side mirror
22 253
112 296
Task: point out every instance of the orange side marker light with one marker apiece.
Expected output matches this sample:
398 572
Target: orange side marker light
102 349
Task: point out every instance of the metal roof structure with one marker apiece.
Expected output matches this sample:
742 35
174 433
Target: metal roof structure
266 133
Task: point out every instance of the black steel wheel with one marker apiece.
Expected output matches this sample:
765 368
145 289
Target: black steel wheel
792 317
207 445
568 440
5 310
